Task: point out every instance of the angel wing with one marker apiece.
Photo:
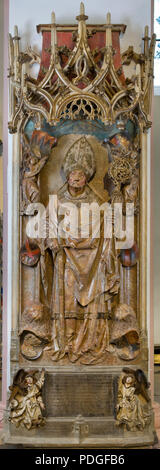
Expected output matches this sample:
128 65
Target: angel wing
14 390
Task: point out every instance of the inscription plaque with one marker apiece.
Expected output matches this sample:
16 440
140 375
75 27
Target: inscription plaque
85 394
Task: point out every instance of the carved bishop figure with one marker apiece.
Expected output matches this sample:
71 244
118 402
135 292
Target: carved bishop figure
84 263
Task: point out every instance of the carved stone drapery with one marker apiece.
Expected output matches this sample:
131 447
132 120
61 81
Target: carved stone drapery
134 403
80 89
81 81
25 400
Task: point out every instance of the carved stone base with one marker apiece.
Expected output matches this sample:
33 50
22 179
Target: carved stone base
80 410
64 433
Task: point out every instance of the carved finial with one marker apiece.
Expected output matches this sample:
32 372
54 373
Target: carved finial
108 30
53 19
16 53
82 16
146 31
108 18
146 40
53 33
82 9
16 31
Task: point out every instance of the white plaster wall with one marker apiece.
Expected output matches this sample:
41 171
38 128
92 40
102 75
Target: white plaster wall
1 102
1 66
156 217
27 14
1 184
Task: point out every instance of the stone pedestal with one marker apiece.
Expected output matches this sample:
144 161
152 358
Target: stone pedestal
80 411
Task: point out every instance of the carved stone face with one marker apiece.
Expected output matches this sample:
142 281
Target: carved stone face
29 381
77 179
129 381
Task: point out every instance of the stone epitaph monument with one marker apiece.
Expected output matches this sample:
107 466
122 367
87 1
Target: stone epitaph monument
79 346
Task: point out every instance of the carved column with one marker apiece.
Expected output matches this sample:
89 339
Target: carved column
144 262
15 285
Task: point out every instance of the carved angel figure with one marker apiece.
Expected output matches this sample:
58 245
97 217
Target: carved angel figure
133 407
35 156
26 404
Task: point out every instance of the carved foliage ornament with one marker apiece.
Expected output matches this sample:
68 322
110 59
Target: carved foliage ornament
79 81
